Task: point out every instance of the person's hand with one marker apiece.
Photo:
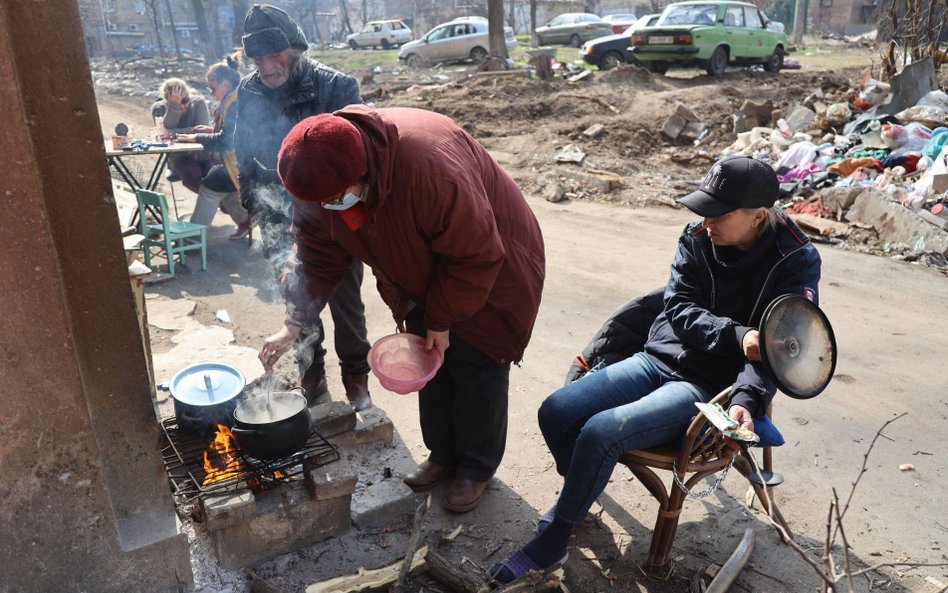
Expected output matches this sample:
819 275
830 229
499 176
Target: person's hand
751 345
277 345
438 340
186 137
202 129
176 95
744 420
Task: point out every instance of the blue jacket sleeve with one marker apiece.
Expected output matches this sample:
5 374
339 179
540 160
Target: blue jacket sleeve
686 307
799 275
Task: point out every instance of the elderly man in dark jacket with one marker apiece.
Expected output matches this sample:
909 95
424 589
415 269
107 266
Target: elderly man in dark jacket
286 88
458 254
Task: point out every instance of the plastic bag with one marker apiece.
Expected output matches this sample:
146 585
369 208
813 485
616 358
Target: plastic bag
929 115
894 135
872 93
838 113
932 148
934 99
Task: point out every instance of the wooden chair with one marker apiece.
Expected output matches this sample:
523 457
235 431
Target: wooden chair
169 236
702 452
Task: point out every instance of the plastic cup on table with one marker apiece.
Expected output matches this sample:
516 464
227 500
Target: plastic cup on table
401 363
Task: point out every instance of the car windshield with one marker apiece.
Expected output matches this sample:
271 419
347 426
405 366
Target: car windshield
689 14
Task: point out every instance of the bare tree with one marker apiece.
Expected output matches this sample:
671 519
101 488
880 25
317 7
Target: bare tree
914 29
240 11
344 16
151 7
174 31
209 41
533 23
495 22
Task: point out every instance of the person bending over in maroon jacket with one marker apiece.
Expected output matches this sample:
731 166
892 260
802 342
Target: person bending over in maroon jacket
458 255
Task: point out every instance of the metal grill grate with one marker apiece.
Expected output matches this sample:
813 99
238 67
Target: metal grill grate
183 457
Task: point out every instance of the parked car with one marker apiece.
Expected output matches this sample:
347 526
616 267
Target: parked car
387 34
615 50
573 28
620 22
457 40
710 35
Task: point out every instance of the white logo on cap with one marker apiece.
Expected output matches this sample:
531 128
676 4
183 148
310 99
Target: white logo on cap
714 180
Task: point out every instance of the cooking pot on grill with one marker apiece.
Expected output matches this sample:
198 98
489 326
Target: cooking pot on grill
272 432
206 394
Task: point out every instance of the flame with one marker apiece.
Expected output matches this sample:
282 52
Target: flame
224 448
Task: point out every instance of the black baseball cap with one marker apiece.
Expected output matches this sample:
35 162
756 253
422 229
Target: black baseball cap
734 182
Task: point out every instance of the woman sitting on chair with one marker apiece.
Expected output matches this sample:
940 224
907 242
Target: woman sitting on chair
179 111
728 268
219 186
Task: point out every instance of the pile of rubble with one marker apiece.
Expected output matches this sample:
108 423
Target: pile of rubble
874 161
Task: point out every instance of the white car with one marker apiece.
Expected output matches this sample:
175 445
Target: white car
464 38
387 34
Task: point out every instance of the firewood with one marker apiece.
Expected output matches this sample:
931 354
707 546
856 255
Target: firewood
441 570
413 541
368 580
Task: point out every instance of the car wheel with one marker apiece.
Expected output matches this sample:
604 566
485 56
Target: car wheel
775 61
414 61
353 44
717 63
386 44
478 55
539 40
658 67
575 41
611 60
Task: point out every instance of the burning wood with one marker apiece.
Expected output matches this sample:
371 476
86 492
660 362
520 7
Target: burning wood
224 448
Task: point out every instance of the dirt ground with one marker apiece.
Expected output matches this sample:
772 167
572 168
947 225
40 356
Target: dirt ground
603 247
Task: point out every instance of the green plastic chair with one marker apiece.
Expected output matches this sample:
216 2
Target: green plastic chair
169 235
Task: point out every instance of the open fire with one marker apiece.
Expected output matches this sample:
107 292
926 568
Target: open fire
223 450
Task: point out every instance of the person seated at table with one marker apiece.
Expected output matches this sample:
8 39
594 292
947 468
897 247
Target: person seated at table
219 188
182 109
728 268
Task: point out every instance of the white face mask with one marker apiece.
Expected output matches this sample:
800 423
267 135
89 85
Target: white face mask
344 203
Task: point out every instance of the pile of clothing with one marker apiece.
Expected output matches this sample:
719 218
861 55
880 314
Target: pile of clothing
902 154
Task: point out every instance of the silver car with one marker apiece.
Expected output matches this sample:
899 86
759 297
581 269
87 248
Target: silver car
388 34
461 39
573 28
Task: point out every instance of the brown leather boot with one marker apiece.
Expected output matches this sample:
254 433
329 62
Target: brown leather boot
464 495
316 393
357 391
427 475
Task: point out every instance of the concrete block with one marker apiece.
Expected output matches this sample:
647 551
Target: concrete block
372 426
692 131
224 510
331 481
682 110
674 125
801 119
840 198
896 224
287 519
594 131
332 418
381 503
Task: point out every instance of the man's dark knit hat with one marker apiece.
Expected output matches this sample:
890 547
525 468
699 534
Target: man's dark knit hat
269 30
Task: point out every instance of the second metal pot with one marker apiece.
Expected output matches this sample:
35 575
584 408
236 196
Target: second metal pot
274 432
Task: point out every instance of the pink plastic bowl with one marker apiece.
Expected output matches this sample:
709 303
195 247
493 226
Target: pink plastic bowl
401 362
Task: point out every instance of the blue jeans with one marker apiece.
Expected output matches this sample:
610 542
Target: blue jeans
589 424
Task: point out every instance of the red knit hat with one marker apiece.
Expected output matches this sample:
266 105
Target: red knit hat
321 157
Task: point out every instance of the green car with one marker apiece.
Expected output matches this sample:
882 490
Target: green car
710 35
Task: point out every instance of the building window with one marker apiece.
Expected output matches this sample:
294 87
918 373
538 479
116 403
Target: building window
826 3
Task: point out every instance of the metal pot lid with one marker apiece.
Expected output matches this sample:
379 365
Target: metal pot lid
207 384
797 346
